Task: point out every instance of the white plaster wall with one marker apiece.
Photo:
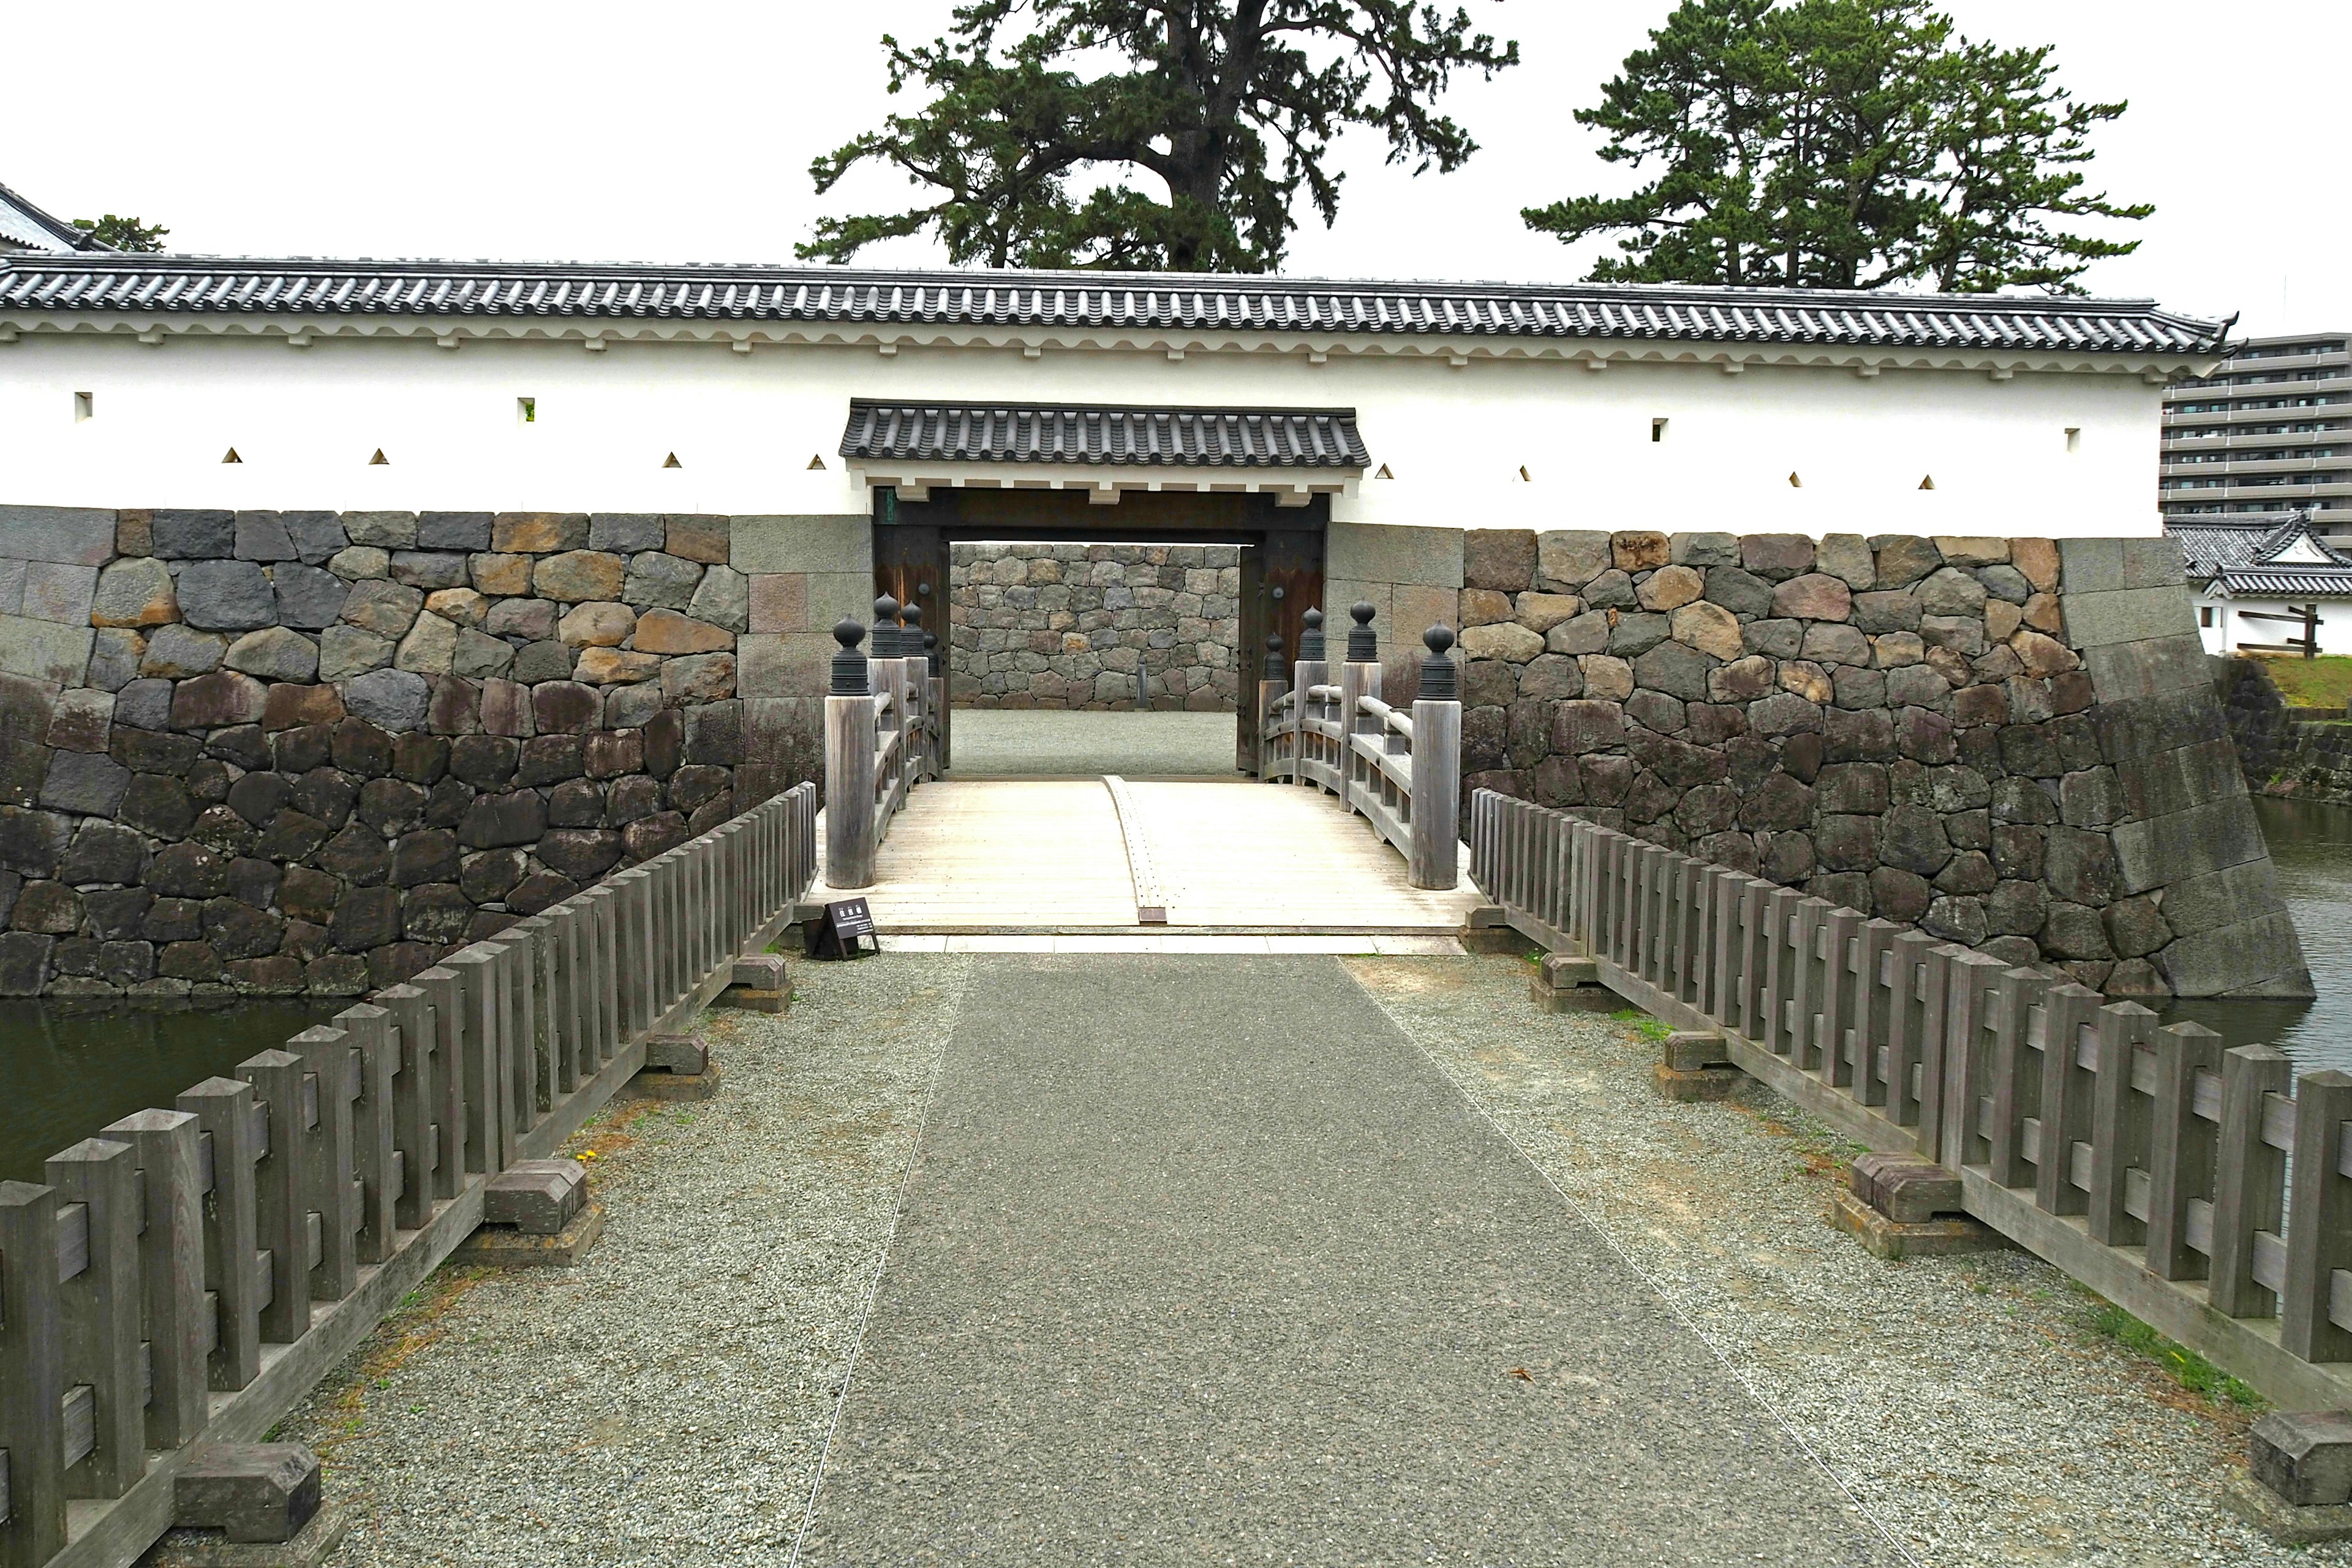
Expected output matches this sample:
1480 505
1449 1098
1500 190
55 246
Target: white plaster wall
2228 629
746 426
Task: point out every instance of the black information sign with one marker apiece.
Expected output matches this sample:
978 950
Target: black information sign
836 933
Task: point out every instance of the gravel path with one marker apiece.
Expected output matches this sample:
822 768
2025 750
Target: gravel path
1017 742
1968 1402
666 1401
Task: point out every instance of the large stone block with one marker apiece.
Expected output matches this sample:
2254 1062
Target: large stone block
2172 848
539 533
79 534
1567 559
2259 957
59 591
840 543
2128 615
1374 553
657 581
380 530
700 537
1503 559
624 533
466 530
135 592
274 653
392 699
44 650
226 597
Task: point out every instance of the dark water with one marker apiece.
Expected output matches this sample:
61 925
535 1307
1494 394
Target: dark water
64 1075
2311 846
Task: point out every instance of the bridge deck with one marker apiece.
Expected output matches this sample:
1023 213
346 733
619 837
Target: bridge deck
1018 857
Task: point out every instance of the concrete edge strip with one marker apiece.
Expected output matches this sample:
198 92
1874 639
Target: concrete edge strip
1151 897
881 1267
1655 1285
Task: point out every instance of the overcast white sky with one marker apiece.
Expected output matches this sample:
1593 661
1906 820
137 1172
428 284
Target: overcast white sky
684 132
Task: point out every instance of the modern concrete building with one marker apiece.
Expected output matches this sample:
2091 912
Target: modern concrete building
2270 430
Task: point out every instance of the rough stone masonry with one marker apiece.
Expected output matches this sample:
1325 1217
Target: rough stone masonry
2013 743
276 753
1068 625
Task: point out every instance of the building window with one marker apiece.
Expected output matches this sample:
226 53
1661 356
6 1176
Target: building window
526 410
2204 615
84 406
1657 429
2074 437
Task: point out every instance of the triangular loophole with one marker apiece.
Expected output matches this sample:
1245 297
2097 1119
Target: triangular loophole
671 462
232 457
1794 483
1526 477
1929 483
379 460
817 461
1384 473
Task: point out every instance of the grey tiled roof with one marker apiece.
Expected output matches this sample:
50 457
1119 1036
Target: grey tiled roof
1113 437
179 284
2211 547
25 226
2278 581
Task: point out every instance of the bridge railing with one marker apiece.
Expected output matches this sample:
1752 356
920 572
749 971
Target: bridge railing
1399 768
883 736
2206 1191
189 1274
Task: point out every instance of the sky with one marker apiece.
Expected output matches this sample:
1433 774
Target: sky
684 133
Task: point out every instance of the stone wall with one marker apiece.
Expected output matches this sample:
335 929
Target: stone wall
2297 753
1066 625
309 753
2011 743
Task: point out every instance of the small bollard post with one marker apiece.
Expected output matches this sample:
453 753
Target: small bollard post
1437 767
849 737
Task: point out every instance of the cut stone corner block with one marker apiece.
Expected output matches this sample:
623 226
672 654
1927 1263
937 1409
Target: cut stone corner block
503 1246
1694 1066
1900 1206
758 984
311 1546
677 1067
250 1492
537 1197
1568 982
2303 1459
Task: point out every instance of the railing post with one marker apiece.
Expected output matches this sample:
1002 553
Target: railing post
326 1163
1437 767
281 1227
2319 1220
850 731
171 1271
1312 670
415 1107
374 1163
1358 677
227 1126
2249 1186
98 1305
32 1366
2119 1124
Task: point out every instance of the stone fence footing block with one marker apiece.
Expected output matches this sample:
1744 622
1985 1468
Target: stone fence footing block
2305 1457
538 1197
2282 1521
1904 1188
311 1546
1694 1066
676 1053
758 984
249 1492
497 1247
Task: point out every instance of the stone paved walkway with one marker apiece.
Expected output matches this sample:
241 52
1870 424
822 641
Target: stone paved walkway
1201 1259
1005 742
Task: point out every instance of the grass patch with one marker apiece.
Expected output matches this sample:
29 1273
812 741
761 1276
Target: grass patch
1649 1028
2324 682
2183 1366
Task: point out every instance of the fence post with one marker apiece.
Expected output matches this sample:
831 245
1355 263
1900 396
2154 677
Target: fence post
227 1126
1437 767
1969 999
2118 1128
326 1163
850 731
413 1102
171 1271
2180 1149
281 1221
98 1303
369 1029
2014 1089
1313 669
2068 1091
2319 1220
461 1139
2249 1188
1359 677
1270 687
32 1362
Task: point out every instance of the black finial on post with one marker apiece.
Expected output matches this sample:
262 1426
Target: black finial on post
1275 668
1363 642
932 650
1310 641
910 634
1438 682
885 628
849 678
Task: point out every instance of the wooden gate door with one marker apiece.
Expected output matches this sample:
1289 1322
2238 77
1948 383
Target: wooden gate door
911 565
1282 579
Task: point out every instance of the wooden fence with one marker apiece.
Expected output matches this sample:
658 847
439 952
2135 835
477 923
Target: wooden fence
1401 769
2208 1192
882 737
189 1274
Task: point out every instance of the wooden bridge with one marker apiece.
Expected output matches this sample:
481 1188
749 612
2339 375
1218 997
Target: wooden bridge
1367 849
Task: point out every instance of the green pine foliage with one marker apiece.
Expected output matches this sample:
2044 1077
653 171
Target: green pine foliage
1173 135
123 233
1841 144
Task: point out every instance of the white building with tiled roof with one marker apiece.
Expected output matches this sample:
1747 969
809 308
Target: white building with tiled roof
2251 579
25 227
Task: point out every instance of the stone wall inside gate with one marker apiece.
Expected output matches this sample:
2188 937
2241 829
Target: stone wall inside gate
1068 625
2013 743
274 753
